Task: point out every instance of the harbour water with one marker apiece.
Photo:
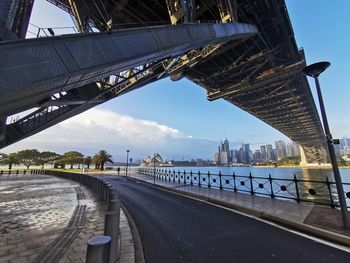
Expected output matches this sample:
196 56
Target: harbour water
281 173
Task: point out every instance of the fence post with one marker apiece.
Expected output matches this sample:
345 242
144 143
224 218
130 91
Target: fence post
234 182
220 180
185 177
98 249
191 177
330 192
199 178
208 179
271 188
296 188
251 184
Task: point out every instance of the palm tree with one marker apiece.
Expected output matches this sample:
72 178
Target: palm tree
96 161
9 159
103 157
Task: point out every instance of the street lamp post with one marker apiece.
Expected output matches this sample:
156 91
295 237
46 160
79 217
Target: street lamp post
314 71
83 170
127 162
154 169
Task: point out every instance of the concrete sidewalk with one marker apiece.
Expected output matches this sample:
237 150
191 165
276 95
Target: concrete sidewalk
319 221
48 219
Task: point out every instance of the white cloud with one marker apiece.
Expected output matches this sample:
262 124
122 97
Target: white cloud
98 129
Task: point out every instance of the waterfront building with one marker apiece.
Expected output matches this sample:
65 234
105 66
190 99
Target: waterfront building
293 149
257 156
281 149
269 152
222 157
263 152
247 153
344 142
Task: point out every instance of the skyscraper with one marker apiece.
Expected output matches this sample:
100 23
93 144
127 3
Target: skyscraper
269 152
292 149
247 153
263 152
281 149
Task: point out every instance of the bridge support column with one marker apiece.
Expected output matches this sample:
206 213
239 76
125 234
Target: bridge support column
314 155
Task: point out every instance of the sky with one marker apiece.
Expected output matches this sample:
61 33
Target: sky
176 120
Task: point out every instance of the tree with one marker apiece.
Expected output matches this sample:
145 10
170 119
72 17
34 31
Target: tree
103 157
28 157
96 160
71 157
88 161
47 157
8 159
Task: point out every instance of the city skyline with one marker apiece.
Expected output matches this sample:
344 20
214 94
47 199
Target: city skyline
175 117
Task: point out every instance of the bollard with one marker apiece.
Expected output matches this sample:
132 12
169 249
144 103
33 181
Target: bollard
113 194
113 205
112 230
98 249
107 188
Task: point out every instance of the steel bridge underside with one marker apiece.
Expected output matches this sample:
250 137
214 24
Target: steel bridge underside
258 71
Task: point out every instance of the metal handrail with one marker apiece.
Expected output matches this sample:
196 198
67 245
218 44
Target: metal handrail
318 192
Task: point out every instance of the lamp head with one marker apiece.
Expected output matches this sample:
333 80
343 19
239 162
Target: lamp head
314 70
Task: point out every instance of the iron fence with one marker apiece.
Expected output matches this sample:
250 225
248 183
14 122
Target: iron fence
300 190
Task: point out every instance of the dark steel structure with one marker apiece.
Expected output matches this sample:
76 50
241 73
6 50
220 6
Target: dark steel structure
254 63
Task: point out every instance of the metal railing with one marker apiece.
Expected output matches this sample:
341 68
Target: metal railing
300 190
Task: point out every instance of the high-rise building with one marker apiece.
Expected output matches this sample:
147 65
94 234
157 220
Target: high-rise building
263 152
241 155
269 152
247 153
257 156
233 155
222 157
344 142
292 149
281 149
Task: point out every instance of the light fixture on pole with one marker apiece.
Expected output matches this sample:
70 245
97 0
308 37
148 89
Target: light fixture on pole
314 71
127 162
154 169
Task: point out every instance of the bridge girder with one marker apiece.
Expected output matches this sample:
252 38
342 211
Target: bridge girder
260 75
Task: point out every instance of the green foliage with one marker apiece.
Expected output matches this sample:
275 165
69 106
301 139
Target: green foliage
47 157
342 162
101 158
88 161
71 157
289 161
28 157
8 159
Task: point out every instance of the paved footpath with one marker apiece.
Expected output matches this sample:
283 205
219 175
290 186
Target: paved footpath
49 219
302 216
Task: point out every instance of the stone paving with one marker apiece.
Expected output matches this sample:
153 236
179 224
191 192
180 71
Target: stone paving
48 219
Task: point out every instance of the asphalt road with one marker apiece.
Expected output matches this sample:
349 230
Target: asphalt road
173 228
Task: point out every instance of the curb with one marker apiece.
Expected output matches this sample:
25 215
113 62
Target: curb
307 229
139 256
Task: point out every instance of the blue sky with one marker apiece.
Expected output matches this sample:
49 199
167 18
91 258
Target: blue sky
176 119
